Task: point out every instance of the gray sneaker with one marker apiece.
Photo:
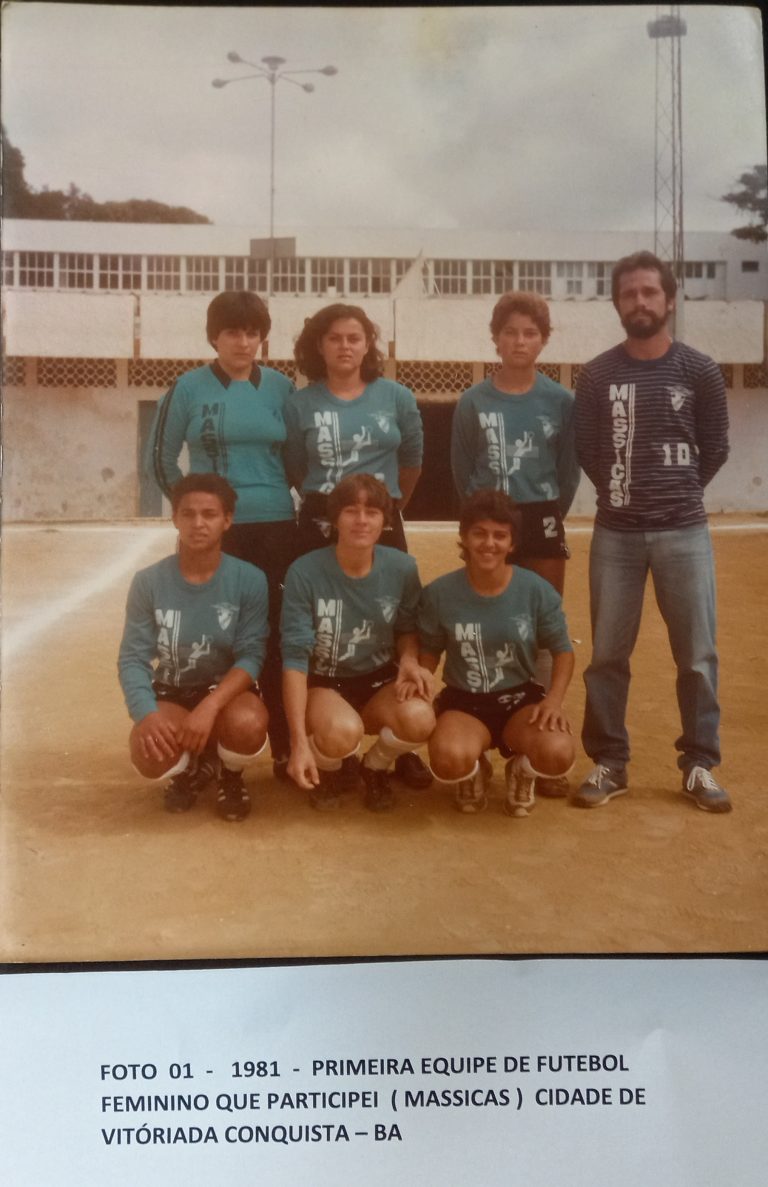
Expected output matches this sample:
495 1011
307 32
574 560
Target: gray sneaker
600 786
471 794
700 785
521 798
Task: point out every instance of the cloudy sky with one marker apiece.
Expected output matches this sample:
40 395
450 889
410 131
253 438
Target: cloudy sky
504 118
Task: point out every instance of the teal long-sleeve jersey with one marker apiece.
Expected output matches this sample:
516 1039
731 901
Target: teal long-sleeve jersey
379 433
523 445
188 635
335 625
490 643
232 427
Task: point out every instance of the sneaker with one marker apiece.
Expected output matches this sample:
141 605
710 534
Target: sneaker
700 785
232 799
554 788
471 794
348 778
379 796
326 795
182 791
520 788
600 786
413 772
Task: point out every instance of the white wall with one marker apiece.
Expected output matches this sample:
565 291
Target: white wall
101 325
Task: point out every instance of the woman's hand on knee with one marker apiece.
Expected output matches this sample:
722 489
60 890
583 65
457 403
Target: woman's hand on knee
548 715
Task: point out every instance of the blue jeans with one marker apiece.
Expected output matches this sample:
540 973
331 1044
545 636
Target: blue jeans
681 564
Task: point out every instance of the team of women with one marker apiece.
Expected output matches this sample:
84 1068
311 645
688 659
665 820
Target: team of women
314 627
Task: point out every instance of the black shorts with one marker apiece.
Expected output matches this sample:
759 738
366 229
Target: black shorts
315 529
541 532
494 709
356 690
190 696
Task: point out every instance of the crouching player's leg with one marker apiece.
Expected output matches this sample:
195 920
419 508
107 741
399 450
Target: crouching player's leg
241 733
334 733
539 739
457 758
403 723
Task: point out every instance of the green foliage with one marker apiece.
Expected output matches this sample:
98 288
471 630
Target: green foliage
22 201
752 198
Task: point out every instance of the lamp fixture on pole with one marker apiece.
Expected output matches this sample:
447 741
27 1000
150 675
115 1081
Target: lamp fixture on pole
272 70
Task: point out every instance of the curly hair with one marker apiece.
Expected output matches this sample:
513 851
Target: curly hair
531 304
488 504
307 348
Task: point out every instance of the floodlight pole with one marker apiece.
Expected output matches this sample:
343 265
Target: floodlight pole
667 30
272 72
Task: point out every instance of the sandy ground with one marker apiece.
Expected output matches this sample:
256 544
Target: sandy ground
95 870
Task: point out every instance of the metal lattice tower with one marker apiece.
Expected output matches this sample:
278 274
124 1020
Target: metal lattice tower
667 30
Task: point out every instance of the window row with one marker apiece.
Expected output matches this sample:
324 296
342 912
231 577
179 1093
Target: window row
366 276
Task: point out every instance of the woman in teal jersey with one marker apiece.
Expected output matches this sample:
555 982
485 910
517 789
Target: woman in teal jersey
490 618
349 420
350 651
193 645
229 414
513 432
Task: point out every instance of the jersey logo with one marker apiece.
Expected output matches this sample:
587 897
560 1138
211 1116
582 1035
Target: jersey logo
388 608
678 395
225 613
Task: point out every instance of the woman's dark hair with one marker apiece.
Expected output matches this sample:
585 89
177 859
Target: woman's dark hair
237 311
530 304
356 488
209 484
488 504
307 349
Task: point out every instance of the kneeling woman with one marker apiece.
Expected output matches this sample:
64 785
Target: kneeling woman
193 646
350 651
490 618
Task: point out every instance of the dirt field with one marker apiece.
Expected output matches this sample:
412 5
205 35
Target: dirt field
95 870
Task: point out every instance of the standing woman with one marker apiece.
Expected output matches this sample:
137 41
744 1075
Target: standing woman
491 618
229 414
513 432
350 651
350 420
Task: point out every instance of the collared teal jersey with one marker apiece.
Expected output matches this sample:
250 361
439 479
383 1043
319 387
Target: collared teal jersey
232 427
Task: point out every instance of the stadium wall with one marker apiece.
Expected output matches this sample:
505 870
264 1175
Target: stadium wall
82 373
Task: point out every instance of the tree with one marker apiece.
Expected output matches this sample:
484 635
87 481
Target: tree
753 199
22 201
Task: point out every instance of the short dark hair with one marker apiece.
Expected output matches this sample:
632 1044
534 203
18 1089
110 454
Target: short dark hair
643 259
239 310
531 304
306 351
356 488
210 484
488 504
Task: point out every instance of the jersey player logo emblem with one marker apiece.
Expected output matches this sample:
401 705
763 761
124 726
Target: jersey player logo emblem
678 395
225 612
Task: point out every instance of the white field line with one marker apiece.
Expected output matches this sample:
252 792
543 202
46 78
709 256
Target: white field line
18 638
747 526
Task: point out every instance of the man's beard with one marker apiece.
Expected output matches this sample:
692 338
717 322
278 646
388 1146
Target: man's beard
650 325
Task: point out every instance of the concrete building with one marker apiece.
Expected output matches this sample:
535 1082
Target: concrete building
99 319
